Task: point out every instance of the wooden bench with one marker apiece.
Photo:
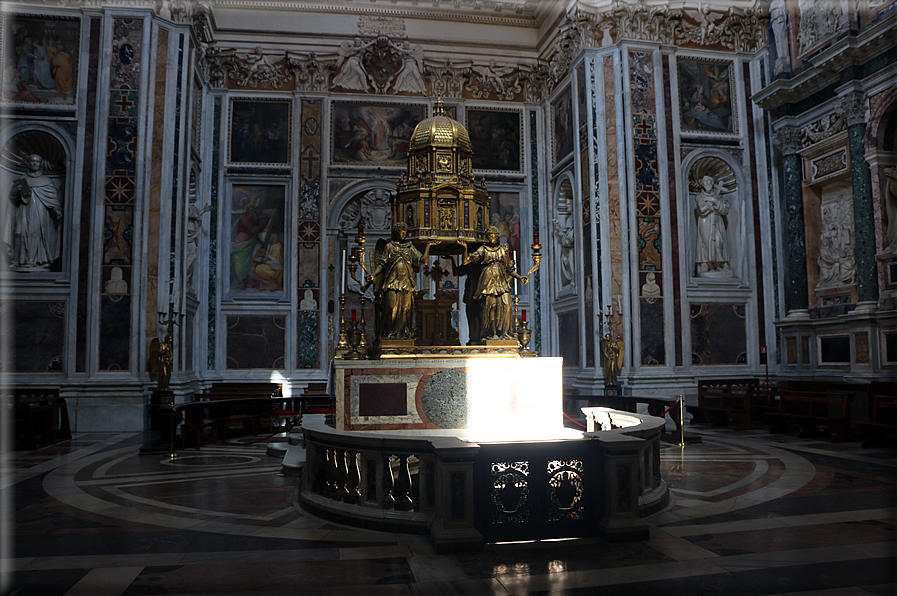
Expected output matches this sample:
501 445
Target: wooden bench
722 402
239 390
882 428
814 413
41 417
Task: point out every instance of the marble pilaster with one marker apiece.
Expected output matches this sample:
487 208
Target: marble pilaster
787 139
853 107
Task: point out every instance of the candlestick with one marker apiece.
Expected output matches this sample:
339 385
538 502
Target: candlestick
345 266
515 271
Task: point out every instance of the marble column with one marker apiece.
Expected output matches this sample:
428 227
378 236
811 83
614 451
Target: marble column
854 110
787 139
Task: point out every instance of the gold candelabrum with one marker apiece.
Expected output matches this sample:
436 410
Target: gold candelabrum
524 333
353 344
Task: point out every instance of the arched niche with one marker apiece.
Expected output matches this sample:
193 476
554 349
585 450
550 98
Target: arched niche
715 216
563 237
36 190
881 155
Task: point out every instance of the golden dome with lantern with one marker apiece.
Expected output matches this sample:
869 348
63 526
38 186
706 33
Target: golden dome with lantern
438 197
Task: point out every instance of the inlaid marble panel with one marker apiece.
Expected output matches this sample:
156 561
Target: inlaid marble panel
256 342
36 336
652 348
718 334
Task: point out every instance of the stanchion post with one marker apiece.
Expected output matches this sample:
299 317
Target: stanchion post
171 429
682 420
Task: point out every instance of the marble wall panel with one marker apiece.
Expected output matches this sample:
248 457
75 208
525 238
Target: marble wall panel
120 190
308 352
308 233
87 194
718 334
256 342
115 330
651 338
647 187
613 181
36 337
568 329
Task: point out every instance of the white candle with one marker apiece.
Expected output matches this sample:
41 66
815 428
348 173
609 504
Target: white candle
345 265
515 270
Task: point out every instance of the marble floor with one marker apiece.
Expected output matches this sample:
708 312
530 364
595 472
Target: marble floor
751 513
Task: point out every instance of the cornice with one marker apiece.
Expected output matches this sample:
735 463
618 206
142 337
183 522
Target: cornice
826 66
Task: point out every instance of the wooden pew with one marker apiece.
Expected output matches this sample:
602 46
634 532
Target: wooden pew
882 428
722 402
41 417
814 413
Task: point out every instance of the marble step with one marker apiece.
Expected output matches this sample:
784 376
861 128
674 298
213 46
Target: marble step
293 461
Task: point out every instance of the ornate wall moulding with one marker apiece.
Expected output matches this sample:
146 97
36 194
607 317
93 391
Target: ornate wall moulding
828 165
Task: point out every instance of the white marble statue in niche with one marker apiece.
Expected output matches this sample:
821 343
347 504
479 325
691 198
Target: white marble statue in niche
837 259
35 220
711 181
563 227
194 227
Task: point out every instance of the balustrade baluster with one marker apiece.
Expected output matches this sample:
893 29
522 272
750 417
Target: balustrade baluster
330 473
402 487
353 478
388 500
341 472
318 467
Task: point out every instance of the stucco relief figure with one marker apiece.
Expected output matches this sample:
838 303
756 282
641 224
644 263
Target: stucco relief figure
837 260
194 227
651 289
409 78
36 219
777 20
394 286
493 288
712 254
890 201
351 73
563 229
116 283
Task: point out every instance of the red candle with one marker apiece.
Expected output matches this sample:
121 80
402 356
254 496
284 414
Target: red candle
353 252
353 315
523 316
361 230
536 238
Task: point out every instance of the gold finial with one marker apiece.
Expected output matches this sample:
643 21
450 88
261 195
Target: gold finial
439 107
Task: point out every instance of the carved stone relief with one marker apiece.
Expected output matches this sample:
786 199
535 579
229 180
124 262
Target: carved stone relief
371 210
819 21
837 259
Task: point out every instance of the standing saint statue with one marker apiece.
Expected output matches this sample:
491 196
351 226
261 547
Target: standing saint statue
712 254
36 219
494 285
393 277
